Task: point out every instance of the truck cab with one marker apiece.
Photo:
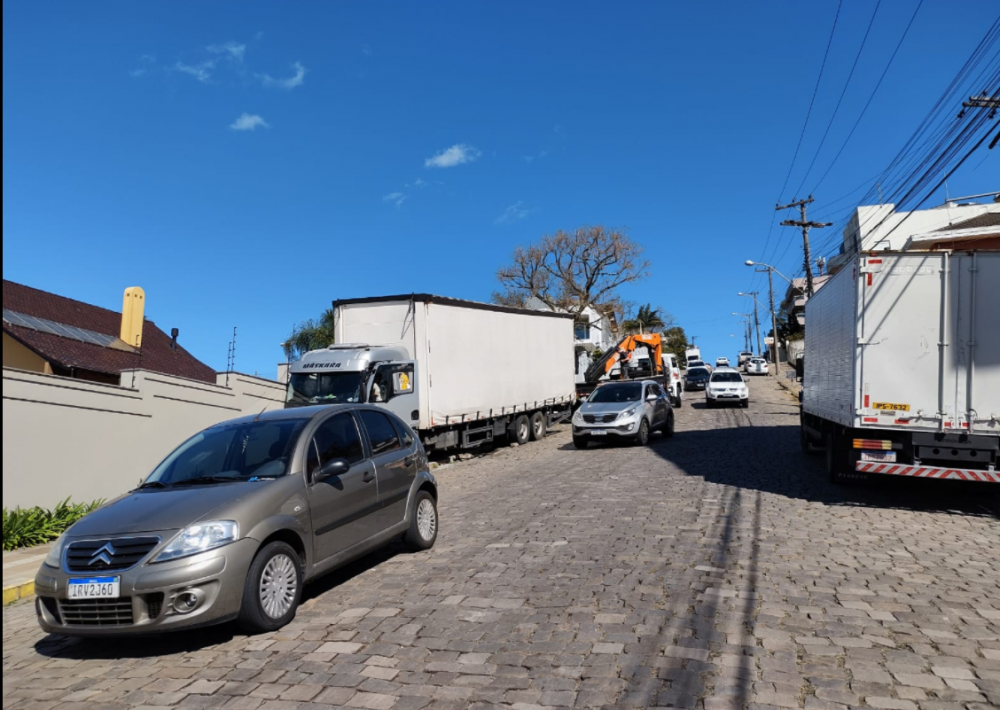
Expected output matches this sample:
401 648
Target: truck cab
356 373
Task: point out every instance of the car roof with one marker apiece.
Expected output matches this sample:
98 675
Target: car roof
295 413
726 369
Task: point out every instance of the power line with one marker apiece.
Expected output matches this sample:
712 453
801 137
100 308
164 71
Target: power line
847 83
871 97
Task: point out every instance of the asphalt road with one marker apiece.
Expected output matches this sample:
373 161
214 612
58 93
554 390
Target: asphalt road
718 569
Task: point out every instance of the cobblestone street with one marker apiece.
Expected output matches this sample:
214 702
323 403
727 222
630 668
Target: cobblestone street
715 570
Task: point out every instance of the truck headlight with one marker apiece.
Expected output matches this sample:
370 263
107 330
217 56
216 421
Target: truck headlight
200 537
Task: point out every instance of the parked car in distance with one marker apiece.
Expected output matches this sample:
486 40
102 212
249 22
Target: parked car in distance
698 363
722 362
727 386
672 378
696 378
744 356
237 519
757 366
623 411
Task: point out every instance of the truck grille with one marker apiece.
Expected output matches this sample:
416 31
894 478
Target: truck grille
96 612
601 419
108 555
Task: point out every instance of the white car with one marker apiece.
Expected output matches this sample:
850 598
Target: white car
722 362
757 366
672 379
727 386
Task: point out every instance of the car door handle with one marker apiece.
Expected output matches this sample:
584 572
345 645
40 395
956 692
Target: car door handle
410 460
368 477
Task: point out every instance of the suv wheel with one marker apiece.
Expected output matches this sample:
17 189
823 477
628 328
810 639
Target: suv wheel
580 442
668 428
423 523
642 438
272 590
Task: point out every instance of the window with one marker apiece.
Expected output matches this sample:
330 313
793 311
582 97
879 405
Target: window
237 451
727 377
655 389
336 438
617 393
391 381
381 432
581 330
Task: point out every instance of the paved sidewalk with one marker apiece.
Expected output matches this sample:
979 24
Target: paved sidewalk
19 569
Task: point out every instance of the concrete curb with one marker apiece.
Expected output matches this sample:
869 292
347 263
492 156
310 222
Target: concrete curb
16 592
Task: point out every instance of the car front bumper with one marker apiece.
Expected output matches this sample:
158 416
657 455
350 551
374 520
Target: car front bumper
148 594
692 386
727 396
625 428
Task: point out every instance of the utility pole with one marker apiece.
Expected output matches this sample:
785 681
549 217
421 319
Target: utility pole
774 318
756 317
981 101
806 225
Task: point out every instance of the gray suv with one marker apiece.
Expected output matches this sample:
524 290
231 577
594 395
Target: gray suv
623 411
233 523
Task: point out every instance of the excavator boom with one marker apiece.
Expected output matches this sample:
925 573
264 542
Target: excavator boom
625 347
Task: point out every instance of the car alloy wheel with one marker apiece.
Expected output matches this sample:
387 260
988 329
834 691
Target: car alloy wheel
427 519
278 586
642 438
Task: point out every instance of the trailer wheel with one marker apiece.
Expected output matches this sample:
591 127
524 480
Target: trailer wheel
539 426
520 430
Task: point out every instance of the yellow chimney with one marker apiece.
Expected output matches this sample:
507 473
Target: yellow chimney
133 309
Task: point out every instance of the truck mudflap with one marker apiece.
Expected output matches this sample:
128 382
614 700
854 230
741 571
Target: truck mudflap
960 474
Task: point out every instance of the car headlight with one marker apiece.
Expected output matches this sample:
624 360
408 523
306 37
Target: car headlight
200 537
54 558
578 416
627 413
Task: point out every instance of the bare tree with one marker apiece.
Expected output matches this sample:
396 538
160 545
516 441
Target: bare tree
568 271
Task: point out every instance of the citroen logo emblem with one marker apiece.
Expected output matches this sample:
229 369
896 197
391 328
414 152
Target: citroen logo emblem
104 555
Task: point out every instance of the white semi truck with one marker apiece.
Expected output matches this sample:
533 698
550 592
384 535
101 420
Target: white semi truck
901 374
461 373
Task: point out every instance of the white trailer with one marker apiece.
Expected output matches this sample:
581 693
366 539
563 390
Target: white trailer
902 367
461 373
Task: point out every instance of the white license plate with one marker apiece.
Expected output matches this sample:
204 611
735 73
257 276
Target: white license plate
95 588
598 432
879 456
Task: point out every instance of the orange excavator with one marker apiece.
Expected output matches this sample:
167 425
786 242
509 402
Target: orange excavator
621 355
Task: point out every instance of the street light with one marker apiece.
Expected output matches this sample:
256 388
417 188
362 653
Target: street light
774 318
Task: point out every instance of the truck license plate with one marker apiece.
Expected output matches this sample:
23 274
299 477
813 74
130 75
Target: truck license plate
95 588
879 456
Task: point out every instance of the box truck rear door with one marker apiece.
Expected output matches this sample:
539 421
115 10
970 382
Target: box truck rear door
899 336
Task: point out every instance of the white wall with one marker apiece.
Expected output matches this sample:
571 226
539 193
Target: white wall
67 438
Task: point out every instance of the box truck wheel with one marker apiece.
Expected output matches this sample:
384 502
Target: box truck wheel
836 458
538 426
520 430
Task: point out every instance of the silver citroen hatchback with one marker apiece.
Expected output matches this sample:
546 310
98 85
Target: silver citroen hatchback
235 521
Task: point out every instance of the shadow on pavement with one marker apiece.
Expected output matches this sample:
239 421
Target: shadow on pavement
769 459
130 647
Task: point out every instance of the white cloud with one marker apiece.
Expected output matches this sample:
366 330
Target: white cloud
147 58
249 122
136 73
420 182
232 50
394 198
297 79
458 154
198 71
514 213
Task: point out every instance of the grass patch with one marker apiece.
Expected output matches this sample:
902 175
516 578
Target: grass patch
27 527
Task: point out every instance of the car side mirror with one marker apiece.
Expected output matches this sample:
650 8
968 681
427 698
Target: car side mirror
332 469
651 397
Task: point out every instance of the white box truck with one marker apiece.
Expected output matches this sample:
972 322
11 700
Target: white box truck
901 374
461 373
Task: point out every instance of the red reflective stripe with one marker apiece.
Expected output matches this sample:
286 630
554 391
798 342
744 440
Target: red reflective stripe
869 279
867 398
906 471
874 261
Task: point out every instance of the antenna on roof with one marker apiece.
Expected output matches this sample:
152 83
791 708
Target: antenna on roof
231 356
257 418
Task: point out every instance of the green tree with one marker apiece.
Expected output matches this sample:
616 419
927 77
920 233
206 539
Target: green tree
647 320
312 334
675 341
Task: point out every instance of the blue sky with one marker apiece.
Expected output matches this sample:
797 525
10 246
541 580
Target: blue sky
248 163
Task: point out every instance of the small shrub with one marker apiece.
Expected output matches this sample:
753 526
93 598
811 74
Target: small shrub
27 527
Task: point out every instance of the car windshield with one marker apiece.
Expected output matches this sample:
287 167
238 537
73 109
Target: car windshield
237 452
619 392
727 377
697 372
324 388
